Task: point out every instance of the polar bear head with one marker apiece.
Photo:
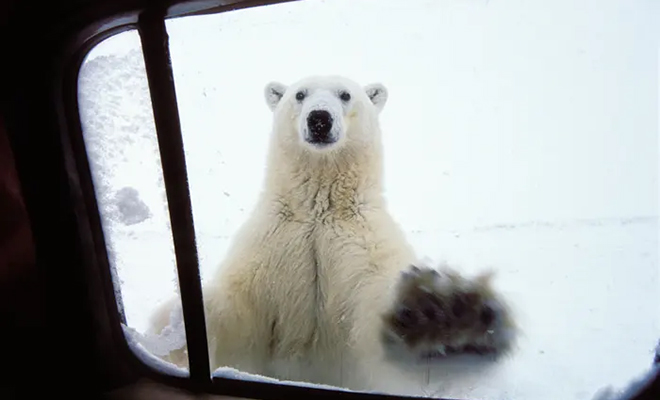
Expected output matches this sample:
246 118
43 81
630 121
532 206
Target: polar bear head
325 115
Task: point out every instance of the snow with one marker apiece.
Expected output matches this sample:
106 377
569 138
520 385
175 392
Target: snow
232 373
131 209
520 136
136 342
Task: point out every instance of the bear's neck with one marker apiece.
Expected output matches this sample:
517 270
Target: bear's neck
308 185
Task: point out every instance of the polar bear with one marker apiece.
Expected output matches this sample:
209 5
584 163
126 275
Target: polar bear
319 284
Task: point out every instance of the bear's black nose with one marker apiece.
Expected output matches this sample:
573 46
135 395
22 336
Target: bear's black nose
319 123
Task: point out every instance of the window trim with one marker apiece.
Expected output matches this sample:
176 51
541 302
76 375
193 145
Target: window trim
158 68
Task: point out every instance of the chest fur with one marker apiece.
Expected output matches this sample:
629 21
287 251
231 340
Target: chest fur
308 293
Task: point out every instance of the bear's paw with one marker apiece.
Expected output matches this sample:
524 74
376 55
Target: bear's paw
438 313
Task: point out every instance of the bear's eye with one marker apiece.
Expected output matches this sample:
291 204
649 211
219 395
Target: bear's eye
345 96
300 96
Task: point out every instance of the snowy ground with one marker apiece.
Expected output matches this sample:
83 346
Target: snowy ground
519 135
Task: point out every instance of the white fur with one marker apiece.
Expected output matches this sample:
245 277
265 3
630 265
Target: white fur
301 292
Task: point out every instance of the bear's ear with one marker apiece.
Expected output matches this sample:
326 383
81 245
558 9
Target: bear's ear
273 93
378 95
